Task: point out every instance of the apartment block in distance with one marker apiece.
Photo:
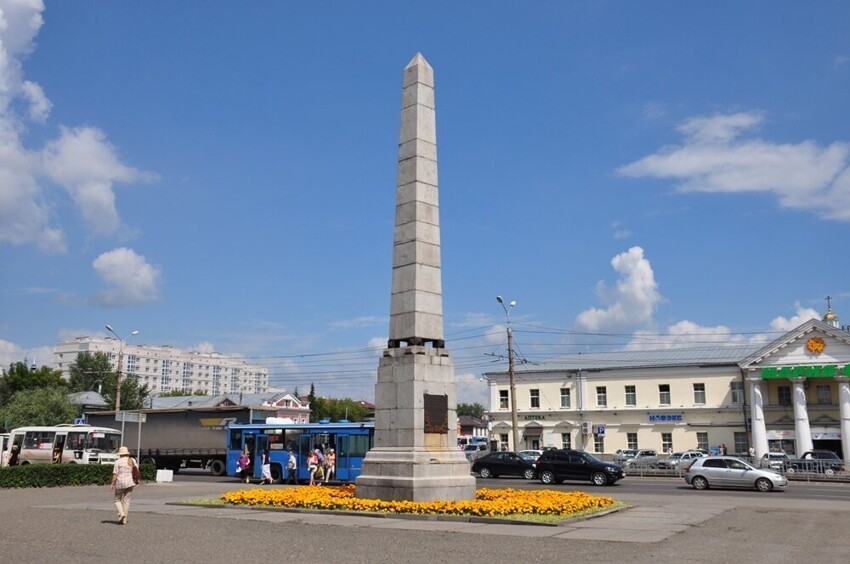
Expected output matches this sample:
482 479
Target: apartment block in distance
165 368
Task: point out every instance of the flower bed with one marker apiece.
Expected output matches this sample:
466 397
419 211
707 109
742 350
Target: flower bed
487 503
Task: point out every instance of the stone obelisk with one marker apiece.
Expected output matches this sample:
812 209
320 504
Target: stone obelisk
415 455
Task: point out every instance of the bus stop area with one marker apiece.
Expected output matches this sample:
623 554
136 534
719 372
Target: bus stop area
77 524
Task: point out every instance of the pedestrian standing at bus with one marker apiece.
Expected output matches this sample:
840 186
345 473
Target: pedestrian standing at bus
291 468
312 465
330 464
267 468
13 456
122 483
242 464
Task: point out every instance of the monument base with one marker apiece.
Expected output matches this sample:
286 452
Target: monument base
402 474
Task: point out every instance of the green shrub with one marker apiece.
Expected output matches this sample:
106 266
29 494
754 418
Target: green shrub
57 475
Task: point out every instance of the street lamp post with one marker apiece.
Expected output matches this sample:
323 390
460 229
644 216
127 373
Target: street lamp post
514 418
120 365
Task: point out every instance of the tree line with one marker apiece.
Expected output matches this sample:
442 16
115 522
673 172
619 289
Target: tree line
39 396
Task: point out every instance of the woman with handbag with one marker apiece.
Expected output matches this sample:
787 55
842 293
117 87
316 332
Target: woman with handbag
125 476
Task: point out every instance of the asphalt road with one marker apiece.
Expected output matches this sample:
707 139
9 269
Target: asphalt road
77 525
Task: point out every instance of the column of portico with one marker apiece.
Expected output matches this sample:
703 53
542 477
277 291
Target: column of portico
759 429
802 431
844 406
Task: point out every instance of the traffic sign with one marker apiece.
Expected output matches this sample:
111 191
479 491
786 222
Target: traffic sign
600 430
80 421
131 416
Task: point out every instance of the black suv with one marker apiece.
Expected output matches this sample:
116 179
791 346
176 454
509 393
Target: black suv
556 465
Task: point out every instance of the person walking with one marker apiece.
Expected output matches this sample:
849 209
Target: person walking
291 468
312 465
266 468
242 464
123 482
330 464
13 456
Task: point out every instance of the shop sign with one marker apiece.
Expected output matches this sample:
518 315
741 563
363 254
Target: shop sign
666 418
786 372
534 417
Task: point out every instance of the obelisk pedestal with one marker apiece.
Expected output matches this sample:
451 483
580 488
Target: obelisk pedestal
415 455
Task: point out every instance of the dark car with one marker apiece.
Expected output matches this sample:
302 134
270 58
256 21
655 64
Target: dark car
503 463
555 466
822 461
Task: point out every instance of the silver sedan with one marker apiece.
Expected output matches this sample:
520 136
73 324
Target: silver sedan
731 472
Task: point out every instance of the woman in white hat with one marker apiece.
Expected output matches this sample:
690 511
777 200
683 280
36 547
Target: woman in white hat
123 483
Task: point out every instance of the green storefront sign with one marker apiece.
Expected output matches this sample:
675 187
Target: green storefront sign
785 372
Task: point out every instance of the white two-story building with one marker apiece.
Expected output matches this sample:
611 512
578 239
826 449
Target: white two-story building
792 394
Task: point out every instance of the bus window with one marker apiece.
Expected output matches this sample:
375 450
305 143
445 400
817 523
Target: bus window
234 441
358 445
39 440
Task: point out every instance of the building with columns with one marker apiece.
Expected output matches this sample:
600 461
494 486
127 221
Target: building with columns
792 394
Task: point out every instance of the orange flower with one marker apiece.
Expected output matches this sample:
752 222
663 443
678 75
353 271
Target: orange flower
487 502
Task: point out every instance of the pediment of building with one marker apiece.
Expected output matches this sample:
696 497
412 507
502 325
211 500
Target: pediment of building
812 343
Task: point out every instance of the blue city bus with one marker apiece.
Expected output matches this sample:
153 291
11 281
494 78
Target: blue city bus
350 441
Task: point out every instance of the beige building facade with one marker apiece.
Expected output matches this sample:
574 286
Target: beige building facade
791 394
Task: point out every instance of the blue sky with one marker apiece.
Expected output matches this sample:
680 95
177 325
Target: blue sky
221 176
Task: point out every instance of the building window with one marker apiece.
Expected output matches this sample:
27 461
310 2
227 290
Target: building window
631 440
664 394
631 395
503 440
699 394
738 392
702 441
601 397
667 442
598 443
824 394
534 397
741 442
566 440
784 395
503 399
565 398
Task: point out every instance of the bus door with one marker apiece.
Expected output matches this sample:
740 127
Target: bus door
58 447
262 445
250 447
343 460
305 445
5 446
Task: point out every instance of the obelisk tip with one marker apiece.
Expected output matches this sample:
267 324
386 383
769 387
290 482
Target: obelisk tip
417 60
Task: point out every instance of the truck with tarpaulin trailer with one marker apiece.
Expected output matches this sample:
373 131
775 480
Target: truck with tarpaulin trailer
173 439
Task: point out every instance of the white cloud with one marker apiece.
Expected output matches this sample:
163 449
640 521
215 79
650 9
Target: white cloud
683 334
715 158
83 162
24 213
130 279
620 232
11 353
363 321
801 315
631 302
204 347
80 160
39 104
470 388
378 344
